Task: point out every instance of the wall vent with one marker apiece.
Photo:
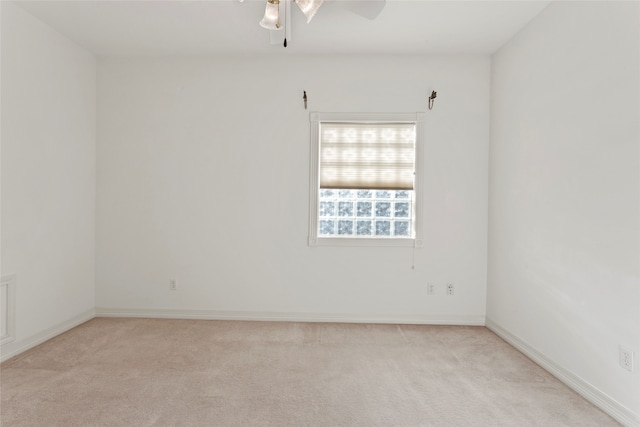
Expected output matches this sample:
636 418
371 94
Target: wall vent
8 309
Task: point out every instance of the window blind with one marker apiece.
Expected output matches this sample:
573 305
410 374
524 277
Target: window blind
367 155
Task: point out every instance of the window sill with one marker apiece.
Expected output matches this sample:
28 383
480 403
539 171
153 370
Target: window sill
365 242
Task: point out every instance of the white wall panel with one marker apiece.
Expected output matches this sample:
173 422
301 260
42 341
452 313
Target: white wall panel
48 173
564 229
187 186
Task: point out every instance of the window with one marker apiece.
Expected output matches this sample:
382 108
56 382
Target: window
364 179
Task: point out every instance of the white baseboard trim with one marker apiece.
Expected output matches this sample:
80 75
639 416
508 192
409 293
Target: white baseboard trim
20 346
600 399
288 317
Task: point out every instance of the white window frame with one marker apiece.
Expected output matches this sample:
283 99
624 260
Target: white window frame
315 118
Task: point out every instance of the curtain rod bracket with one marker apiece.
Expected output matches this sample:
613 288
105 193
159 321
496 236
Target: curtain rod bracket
432 99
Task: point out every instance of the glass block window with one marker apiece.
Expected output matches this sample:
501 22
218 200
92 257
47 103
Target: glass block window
365 213
364 178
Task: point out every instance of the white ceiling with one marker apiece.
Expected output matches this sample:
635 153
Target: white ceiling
180 27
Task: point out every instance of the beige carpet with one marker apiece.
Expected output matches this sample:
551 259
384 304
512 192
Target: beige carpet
151 372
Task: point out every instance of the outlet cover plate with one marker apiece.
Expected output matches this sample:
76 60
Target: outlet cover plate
626 358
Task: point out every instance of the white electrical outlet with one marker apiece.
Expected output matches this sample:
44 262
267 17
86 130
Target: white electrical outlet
450 288
626 358
173 285
431 289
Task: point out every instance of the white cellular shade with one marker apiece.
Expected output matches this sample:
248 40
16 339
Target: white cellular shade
367 155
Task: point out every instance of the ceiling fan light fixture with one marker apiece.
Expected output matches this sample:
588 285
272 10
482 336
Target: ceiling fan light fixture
309 7
271 19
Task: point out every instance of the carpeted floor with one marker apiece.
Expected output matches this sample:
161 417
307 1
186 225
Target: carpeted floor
153 372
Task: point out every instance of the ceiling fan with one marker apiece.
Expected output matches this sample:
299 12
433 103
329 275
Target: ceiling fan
369 9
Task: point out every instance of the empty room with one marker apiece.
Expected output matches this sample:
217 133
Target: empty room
320 213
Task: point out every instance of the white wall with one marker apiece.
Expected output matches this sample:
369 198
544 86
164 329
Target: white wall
3 305
203 172
564 192
48 175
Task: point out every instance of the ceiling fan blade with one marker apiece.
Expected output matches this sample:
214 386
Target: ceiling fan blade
369 9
